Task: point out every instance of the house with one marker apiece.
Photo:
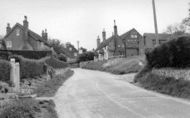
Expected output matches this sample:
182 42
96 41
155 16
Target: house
71 51
20 38
127 44
149 39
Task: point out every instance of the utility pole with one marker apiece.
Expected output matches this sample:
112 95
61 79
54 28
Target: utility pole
155 22
78 46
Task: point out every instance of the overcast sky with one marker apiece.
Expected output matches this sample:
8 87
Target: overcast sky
84 20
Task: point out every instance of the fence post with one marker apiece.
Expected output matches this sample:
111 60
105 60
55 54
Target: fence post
15 75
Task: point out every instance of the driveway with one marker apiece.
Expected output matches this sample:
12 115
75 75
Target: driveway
95 94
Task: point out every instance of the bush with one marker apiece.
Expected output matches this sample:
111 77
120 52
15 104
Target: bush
62 57
5 69
87 56
55 63
174 53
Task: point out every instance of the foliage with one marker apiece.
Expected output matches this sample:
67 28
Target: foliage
87 56
174 53
30 68
5 69
55 63
62 57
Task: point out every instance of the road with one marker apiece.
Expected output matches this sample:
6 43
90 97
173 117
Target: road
94 94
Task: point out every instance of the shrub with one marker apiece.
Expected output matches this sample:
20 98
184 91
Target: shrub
5 69
174 53
87 56
55 63
62 57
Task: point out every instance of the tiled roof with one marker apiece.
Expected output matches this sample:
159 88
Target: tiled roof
30 33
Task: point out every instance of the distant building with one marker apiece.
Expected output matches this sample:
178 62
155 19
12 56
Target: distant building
20 37
127 44
71 51
149 39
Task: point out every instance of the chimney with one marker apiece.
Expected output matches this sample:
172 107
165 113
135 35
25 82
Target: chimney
104 35
98 41
115 28
8 29
25 25
45 35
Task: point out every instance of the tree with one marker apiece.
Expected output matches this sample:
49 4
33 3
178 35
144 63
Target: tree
177 29
87 56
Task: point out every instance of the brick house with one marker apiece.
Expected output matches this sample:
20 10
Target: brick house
20 37
127 44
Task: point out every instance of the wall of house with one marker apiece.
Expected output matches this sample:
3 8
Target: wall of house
132 52
16 39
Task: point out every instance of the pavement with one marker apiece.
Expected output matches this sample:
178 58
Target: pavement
95 94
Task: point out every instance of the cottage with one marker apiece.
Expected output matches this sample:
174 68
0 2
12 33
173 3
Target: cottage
20 37
127 44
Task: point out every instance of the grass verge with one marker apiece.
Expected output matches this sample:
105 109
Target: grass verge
50 87
28 108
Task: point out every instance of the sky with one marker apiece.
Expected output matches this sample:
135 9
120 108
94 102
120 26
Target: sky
84 20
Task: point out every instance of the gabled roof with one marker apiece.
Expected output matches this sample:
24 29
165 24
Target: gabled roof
119 38
160 36
34 35
107 41
127 34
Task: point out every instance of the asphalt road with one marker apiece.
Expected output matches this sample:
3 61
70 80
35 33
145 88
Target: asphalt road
94 94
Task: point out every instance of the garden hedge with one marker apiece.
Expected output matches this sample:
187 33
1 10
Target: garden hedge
55 63
5 69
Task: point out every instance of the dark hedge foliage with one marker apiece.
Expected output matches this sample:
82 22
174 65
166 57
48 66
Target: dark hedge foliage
25 53
174 53
30 68
55 63
87 56
5 69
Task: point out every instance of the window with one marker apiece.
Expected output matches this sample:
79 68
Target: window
9 44
70 49
18 32
133 36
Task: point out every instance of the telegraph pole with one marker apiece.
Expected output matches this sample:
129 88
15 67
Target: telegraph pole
78 46
155 22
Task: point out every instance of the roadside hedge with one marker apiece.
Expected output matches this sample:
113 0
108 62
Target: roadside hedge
5 69
55 63
30 68
174 53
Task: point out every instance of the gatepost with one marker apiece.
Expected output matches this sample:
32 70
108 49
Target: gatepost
15 75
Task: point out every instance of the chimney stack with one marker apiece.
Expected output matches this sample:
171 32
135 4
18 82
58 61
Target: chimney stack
45 35
115 28
25 25
104 35
98 41
8 29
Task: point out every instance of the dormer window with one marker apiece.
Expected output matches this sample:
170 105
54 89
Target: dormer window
18 32
70 49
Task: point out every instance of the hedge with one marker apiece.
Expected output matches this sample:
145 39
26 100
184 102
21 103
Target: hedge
55 63
174 53
30 68
25 53
5 69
